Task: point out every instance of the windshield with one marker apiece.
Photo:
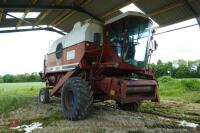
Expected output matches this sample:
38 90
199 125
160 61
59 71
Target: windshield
130 38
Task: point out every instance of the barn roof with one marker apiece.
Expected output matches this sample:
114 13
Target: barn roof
62 14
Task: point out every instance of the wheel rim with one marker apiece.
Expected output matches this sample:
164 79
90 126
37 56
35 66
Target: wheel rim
70 100
42 97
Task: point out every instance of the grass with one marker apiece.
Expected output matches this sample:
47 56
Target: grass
15 95
187 90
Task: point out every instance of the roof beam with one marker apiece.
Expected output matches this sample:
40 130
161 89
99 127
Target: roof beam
24 15
190 7
7 14
32 29
153 13
1 10
22 18
1 14
166 8
64 15
58 7
42 16
114 10
45 13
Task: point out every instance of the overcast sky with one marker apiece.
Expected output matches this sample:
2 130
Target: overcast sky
180 44
24 52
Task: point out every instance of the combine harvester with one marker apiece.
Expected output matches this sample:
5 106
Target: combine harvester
100 61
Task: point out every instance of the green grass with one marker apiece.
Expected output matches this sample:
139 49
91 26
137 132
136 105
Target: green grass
187 90
15 95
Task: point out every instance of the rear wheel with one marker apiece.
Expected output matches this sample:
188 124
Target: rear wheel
44 95
76 99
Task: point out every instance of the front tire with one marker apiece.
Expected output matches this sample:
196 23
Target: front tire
76 99
44 96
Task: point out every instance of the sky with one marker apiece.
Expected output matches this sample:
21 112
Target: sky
179 44
24 52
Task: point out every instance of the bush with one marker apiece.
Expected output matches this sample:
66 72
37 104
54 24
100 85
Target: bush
165 79
191 85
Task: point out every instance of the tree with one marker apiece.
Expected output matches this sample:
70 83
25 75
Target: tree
198 71
1 79
183 70
177 69
8 78
159 62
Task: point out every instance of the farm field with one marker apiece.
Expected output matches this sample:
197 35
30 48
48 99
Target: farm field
15 95
178 111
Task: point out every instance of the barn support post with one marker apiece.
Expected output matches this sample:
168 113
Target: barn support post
198 20
190 7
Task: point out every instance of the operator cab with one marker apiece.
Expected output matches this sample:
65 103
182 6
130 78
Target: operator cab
130 34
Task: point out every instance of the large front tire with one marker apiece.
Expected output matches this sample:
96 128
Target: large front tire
76 99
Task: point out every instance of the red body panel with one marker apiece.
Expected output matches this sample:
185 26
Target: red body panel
80 51
122 88
101 66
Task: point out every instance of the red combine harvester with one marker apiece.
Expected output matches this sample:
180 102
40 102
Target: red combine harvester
100 61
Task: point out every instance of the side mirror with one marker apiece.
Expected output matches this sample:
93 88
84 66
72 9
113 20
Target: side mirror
155 45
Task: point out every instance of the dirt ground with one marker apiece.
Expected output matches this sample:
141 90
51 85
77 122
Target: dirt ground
106 118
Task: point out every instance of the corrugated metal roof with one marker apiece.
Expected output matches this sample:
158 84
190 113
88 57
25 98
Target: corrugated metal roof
164 12
150 5
180 13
